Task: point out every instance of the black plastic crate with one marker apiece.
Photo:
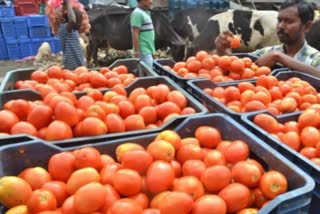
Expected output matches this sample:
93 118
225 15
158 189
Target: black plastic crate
14 158
159 64
213 105
11 77
141 82
295 157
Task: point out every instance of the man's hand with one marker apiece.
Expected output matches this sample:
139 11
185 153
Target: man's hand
223 42
269 59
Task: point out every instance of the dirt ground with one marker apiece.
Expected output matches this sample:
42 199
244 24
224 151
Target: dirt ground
9 65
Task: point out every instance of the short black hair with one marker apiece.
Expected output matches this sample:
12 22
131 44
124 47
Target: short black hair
305 10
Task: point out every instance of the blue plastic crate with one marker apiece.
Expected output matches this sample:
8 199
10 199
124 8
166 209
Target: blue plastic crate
7 11
37 21
1 36
35 45
295 157
21 27
295 200
196 88
25 47
8 28
13 49
3 48
56 45
38 32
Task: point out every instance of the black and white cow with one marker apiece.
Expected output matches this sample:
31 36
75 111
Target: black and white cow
110 27
189 22
256 29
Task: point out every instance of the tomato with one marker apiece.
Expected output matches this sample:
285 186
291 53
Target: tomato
127 206
88 157
176 202
213 203
82 177
127 182
41 200
59 189
190 185
160 176
89 198
138 160
35 176
246 173
14 191
236 195
273 183
111 196
61 166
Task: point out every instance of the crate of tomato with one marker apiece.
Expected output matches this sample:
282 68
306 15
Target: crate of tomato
295 136
213 67
122 71
148 105
286 92
173 167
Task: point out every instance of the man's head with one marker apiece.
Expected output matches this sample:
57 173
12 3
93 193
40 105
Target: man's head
145 4
294 20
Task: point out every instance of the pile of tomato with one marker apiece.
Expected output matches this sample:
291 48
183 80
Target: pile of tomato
218 68
195 174
62 115
57 79
302 135
276 96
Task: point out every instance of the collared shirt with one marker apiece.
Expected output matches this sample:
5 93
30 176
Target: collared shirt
306 54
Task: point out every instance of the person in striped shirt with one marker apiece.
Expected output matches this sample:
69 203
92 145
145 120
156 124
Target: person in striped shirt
69 38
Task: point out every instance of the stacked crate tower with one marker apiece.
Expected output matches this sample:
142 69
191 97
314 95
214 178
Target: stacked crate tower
22 35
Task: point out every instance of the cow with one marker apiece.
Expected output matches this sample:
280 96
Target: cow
110 27
257 29
189 22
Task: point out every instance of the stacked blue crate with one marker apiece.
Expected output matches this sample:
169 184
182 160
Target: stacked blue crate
7 11
56 45
39 32
21 27
3 48
8 28
25 47
13 48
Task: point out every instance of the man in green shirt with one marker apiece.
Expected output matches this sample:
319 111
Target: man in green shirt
143 35
294 20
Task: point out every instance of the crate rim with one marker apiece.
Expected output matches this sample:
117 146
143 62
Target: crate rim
245 118
309 182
